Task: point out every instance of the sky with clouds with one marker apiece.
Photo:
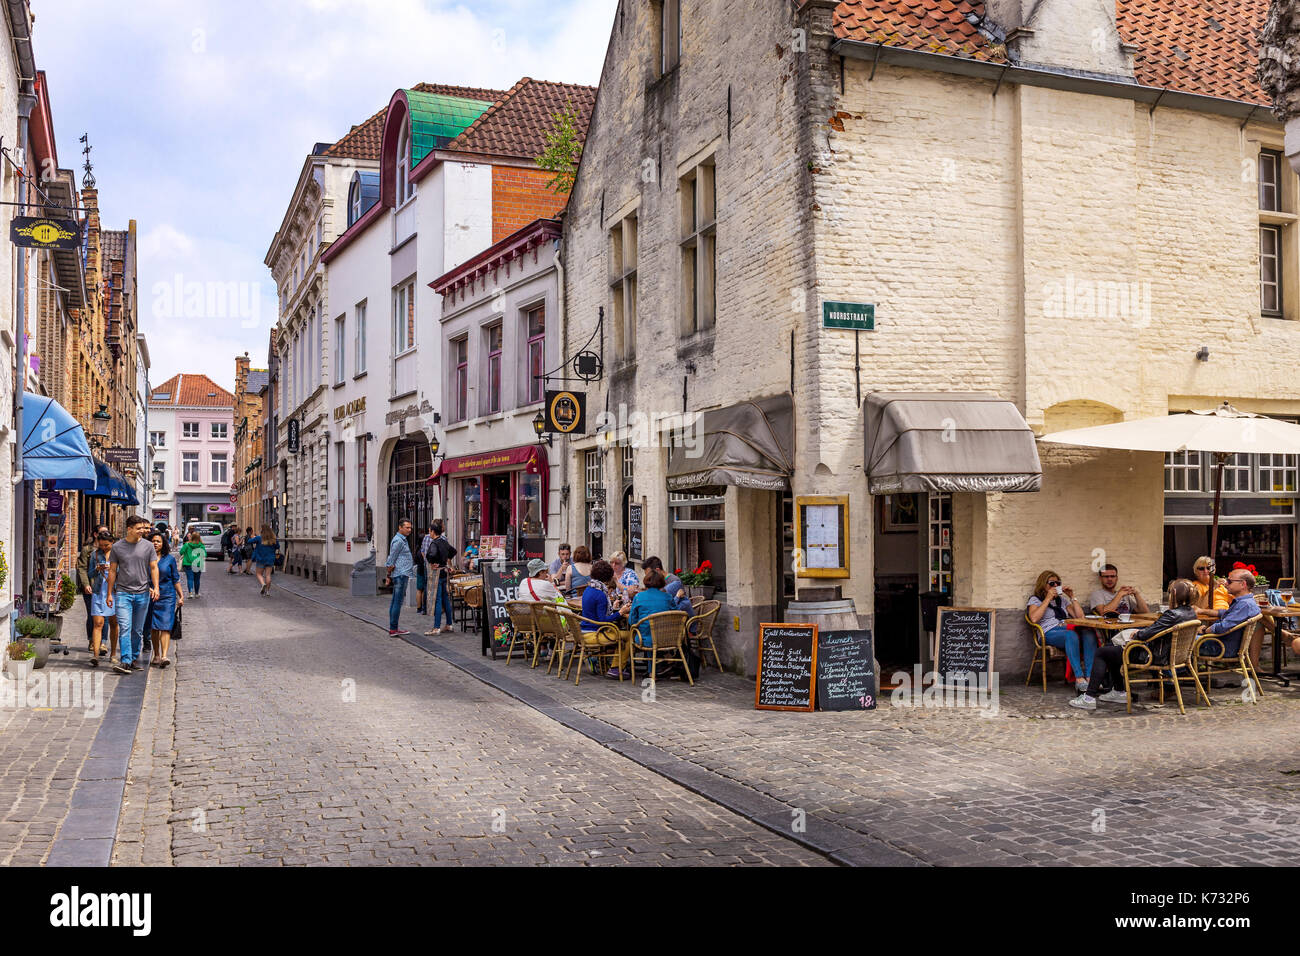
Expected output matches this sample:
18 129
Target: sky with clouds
201 113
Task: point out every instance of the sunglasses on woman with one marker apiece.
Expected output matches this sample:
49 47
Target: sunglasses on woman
1053 584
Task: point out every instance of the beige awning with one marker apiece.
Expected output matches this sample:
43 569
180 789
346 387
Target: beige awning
747 445
948 441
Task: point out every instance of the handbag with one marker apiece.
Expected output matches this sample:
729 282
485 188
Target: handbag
176 624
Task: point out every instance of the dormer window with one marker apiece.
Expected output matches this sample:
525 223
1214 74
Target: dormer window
362 194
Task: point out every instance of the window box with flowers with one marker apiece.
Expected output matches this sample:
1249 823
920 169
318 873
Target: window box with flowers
698 583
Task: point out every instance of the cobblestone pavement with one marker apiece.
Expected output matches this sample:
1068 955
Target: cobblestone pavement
1037 783
43 749
143 833
305 737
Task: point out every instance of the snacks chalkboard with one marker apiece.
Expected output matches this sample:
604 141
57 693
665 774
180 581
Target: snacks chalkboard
965 636
846 671
787 667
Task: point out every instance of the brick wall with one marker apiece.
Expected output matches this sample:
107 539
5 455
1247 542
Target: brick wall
521 196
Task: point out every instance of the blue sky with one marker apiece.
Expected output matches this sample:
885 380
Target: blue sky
201 113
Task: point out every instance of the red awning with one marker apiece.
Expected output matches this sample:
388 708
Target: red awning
531 456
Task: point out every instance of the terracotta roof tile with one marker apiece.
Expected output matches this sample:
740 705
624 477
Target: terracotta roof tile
365 140
1209 47
517 123
191 390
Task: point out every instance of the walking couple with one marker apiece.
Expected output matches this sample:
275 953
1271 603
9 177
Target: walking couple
436 553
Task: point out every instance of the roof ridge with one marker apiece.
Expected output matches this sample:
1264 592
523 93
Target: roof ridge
490 111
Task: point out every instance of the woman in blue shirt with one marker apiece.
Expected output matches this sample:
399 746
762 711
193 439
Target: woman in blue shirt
264 547
162 612
652 600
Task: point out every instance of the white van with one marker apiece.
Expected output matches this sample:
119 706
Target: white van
209 533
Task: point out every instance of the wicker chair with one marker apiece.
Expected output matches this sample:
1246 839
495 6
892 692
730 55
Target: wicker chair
1138 660
553 632
1043 652
523 624
667 632
1208 654
700 630
473 598
602 644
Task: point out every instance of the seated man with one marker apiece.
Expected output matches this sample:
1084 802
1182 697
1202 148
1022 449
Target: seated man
1111 597
537 586
1241 584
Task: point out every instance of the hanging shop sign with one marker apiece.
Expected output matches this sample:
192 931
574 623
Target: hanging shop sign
857 316
293 436
37 232
122 456
566 412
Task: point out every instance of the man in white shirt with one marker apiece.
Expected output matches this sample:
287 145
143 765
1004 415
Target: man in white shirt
537 586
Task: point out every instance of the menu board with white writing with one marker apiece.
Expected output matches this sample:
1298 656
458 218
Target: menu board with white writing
787 667
846 671
965 636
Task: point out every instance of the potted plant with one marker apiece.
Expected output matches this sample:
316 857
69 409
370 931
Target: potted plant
19 661
698 583
36 633
1261 582
4 568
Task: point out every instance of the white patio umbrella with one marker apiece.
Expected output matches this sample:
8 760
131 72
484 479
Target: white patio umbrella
1222 432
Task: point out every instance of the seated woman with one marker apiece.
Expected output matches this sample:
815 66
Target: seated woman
1211 595
652 600
624 577
578 572
537 586
1110 658
1049 609
595 600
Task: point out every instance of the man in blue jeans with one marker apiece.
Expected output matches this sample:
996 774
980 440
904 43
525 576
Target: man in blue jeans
401 565
132 582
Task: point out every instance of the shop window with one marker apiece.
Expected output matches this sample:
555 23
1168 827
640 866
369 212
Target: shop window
699 533
698 249
535 321
362 528
623 260
1278 473
1236 474
1183 471
941 543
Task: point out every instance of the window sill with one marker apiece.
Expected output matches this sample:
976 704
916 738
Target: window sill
411 238
360 540
338 385
339 538
1277 218
359 376
398 398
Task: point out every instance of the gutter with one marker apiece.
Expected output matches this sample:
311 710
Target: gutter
1046 78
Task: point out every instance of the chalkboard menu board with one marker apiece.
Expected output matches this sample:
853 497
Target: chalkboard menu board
635 523
511 554
846 671
500 584
787 667
965 641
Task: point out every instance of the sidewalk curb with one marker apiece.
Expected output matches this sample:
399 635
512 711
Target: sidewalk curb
88 833
838 844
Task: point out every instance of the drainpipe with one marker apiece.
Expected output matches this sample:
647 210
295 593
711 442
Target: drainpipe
562 534
22 491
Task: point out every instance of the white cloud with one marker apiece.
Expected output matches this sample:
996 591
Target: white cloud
201 114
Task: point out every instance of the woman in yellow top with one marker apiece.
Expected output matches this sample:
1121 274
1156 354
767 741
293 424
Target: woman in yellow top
1205 581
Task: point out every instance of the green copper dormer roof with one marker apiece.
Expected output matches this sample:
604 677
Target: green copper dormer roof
437 119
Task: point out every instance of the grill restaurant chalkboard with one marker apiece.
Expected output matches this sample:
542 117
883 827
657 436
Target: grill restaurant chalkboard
965 641
846 671
787 667
500 584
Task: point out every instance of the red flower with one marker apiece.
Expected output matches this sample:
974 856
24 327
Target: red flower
1238 566
678 571
707 564
1251 569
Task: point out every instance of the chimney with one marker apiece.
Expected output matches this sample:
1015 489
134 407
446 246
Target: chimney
1076 36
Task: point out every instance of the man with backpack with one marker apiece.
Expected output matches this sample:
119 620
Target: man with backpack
438 555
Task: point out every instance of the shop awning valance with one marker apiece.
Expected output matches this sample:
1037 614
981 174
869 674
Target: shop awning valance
746 445
54 443
532 457
108 483
946 442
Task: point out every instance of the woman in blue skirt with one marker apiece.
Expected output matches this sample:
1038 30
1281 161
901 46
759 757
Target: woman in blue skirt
162 612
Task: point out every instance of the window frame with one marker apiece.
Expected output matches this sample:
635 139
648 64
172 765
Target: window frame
670 36
493 368
224 434
158 439
190 458
698 211
219 458
1277 257
624 250
359 343
404 293
460 379
535 354
340 349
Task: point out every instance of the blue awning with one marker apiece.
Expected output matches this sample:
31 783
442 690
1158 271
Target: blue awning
54 443
108 483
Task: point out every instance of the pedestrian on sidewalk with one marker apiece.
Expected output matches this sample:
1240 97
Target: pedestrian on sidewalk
162 613
85 564
400 567
249 544
132 583
99 609
439 555
236 551
422 574
264 548
194 557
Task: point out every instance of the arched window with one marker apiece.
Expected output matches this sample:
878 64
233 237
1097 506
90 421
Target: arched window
404 164
362 194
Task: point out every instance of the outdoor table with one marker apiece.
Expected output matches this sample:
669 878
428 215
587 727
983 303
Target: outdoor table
1110 624
1278 614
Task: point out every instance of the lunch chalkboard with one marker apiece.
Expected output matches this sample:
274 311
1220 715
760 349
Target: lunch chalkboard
965 637
787 667
500 584
846 671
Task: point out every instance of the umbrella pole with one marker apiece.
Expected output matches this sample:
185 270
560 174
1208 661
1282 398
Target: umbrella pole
1221 460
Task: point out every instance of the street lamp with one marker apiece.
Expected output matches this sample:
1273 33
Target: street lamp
539 426
99 425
